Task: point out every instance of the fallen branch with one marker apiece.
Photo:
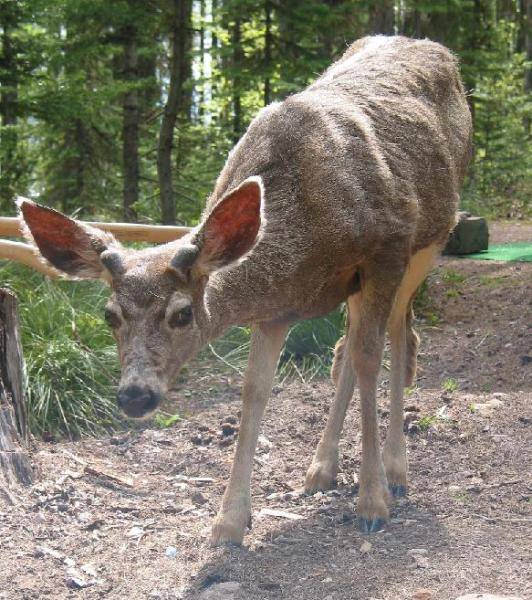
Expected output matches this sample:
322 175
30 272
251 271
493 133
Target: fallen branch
99 472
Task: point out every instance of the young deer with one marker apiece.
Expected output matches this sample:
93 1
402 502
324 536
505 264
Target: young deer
344 192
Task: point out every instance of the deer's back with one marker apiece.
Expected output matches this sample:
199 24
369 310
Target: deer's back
369 157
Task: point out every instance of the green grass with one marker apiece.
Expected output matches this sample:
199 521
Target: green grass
71 360
70 355
449 385
72 365
494 281
453 277
426 422
307 354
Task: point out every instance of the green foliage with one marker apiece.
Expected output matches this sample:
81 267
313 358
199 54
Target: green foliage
71 360
62 91
308 350
426 422
164 420
449 385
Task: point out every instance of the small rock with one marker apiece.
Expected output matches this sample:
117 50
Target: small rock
41 551
264 442
366 548
454 489
69 562
75 580
198 498
422 594
89 570
422 562
486 409
135 532
227 429
170 552
221 591
201 440
84 517
417 551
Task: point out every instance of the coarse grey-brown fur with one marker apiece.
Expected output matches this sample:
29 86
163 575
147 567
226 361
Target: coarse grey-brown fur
368 160
358 178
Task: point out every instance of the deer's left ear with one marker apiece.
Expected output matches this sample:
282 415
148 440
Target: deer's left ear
227 233
72 247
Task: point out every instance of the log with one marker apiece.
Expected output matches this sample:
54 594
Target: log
15 463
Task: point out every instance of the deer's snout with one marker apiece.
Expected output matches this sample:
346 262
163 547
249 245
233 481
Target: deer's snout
137 401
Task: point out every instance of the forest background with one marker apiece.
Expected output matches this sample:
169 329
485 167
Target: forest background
127 109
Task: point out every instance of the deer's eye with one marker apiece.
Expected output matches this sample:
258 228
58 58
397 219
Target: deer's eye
180 318
111 318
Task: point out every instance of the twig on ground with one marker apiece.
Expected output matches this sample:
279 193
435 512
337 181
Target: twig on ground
98 471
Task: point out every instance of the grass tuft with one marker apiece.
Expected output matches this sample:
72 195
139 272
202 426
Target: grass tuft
70 355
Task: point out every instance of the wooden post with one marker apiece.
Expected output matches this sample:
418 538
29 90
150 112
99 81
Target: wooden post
15 464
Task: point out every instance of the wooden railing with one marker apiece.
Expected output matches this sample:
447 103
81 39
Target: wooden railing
125 232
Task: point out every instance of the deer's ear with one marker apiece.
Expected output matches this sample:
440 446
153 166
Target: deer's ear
232 228
76 249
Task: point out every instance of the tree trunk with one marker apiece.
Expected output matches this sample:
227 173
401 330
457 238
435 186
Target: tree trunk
527 18
9 170
130 124
267 51
237 64
382 17
176 104
14 460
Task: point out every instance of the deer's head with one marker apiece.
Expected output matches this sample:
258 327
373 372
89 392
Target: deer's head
157 309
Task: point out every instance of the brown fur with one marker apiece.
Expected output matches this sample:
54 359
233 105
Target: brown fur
357 180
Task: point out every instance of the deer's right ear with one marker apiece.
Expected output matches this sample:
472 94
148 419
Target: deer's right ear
71 247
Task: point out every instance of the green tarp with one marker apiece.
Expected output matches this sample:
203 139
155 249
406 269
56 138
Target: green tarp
518 251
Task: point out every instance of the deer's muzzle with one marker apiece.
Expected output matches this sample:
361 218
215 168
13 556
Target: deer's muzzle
137 401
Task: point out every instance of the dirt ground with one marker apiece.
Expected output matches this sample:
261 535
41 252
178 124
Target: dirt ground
465 526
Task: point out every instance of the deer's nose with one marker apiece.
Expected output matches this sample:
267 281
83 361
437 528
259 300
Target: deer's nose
137 401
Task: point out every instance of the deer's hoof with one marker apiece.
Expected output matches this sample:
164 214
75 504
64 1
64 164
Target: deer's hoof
225 534
371 525
230 526
320 476
372 506
398 491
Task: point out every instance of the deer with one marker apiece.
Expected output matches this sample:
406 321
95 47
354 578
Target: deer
342 193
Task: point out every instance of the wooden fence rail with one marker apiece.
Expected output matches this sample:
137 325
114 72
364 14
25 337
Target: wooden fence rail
126 232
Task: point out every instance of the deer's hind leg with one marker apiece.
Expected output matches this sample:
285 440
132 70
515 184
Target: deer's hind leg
322 472
403 343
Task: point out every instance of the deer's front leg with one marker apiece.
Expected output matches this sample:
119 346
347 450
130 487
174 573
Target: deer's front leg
235 512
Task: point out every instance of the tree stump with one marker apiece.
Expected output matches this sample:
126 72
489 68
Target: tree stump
470 235
15 464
